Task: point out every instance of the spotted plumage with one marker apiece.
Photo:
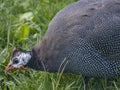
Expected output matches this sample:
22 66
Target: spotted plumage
84 37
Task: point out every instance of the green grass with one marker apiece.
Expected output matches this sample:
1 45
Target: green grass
23 23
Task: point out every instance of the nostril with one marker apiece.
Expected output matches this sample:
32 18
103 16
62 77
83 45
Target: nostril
9 65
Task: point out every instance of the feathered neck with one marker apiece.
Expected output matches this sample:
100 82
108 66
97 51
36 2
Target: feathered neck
34 63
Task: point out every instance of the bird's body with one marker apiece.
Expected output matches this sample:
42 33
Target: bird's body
86 36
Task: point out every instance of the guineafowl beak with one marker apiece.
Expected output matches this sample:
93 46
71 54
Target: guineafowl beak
11 67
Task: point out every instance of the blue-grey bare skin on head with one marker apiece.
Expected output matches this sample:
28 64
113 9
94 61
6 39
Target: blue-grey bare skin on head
21 58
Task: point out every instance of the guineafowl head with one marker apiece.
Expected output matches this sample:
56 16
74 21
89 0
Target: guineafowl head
19 59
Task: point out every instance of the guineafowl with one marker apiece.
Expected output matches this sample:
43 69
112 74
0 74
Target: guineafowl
82 38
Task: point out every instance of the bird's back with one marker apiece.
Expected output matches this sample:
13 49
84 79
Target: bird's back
88 36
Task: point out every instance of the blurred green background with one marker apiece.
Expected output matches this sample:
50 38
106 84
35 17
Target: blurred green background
23 23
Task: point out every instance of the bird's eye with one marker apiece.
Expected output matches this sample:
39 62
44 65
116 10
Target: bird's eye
15 61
